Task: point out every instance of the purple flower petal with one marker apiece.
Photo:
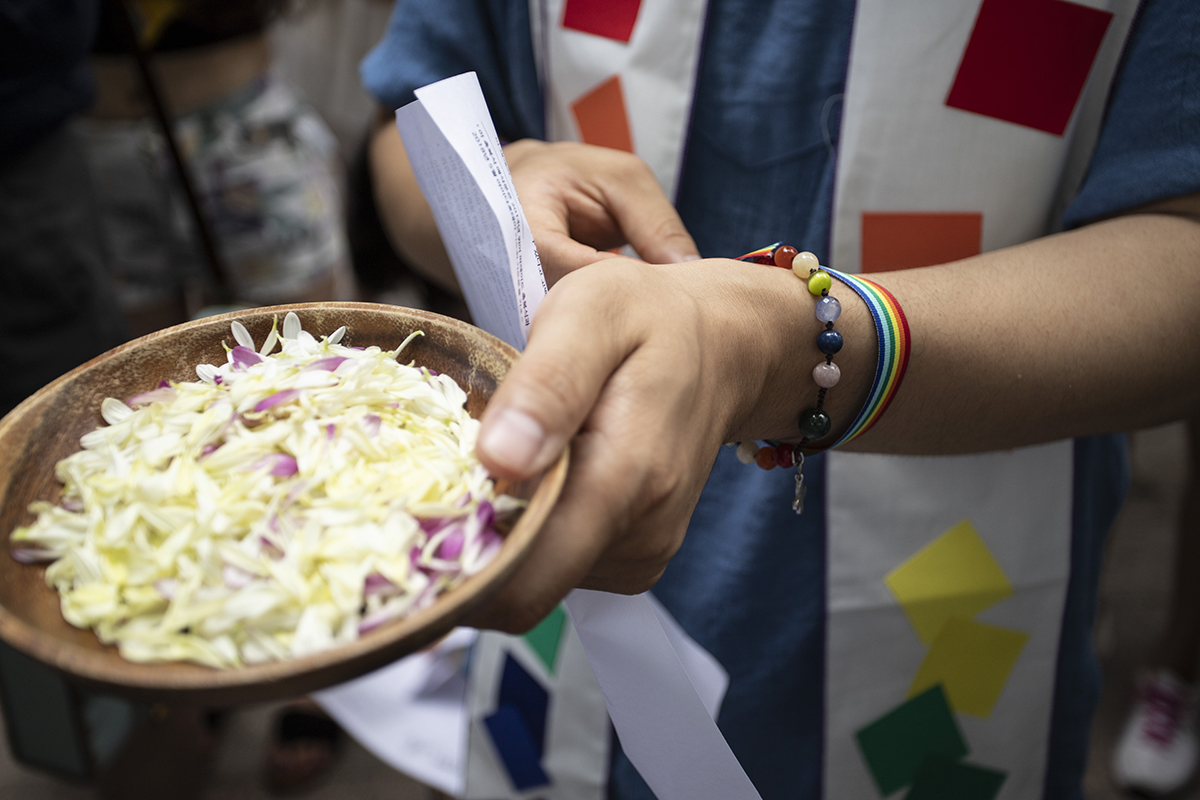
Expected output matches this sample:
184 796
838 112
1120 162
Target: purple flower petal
270 548
235 577
159 395
209 449
244 357
300 487
373 621
432 525
281 465
164 384
32 555
371 423
275 399
330 430
486 513
378 584
329 363
451 547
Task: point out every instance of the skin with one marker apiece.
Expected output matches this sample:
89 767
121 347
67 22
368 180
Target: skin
1062 336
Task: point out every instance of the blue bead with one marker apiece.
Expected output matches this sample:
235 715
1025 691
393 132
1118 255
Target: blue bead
828 309
829 342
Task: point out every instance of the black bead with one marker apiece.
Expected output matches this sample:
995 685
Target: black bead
814 423
829 342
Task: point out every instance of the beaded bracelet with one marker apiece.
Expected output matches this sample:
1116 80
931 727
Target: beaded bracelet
894 345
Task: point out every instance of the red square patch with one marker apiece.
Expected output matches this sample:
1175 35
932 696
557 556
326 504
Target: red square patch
906 240
1028 60
612 19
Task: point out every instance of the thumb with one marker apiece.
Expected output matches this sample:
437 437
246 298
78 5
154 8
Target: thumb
552 389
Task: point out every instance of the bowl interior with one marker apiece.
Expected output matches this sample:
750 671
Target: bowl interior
47 427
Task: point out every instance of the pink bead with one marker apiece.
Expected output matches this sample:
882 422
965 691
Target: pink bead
826 375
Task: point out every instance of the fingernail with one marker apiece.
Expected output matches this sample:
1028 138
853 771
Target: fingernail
691 257
513 439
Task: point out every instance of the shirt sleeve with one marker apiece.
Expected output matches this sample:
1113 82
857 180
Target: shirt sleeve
428 40
1149 148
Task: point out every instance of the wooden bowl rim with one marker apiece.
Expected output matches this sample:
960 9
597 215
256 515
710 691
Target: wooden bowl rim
449 607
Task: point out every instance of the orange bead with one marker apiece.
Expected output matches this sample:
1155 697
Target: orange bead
784 255
766 458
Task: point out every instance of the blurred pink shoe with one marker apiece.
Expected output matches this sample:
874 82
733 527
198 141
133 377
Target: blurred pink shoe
1157 752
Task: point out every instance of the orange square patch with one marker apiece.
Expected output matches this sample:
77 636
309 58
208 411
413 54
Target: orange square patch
906 240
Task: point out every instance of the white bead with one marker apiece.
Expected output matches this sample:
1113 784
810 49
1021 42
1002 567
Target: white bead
746 451
826 375
804 263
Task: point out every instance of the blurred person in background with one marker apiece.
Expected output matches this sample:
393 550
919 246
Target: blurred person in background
57 307
264 165
97 243
1157 752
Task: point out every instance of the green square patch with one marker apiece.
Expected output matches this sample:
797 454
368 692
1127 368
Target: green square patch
546 636
896 745
941 778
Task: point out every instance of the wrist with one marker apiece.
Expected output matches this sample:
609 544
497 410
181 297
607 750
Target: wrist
776 321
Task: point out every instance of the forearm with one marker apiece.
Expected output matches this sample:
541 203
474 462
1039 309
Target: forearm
1085 332
406 216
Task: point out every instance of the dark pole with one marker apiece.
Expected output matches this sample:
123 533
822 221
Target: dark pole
216 266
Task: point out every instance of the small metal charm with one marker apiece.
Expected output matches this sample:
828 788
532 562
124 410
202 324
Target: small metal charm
801 489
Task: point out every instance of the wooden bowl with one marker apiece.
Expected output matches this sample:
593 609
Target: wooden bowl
47 427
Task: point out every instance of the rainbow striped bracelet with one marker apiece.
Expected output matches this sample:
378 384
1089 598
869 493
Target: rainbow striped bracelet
894 339
895 346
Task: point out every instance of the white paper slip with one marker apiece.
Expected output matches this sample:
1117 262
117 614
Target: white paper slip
665 727
458 163
661 689
412 714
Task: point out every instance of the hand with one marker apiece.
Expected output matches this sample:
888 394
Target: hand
650 369
582 200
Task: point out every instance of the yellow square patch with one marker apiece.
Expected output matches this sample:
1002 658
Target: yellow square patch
972 661
955 575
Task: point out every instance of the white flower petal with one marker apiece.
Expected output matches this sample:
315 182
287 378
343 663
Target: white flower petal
241 335
291 325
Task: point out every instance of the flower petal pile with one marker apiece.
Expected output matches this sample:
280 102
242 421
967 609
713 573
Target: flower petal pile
283 504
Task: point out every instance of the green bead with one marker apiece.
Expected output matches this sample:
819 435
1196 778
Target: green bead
819 282
814 423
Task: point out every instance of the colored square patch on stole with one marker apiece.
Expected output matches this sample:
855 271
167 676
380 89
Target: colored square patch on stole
895 745
545 637
612 19
955 575
907 240
972 662
600 115
516 748
1027 61
518 726
942 778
